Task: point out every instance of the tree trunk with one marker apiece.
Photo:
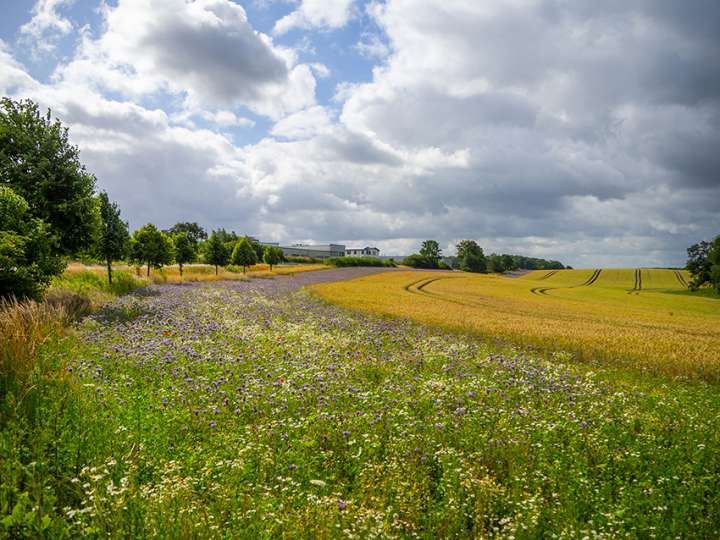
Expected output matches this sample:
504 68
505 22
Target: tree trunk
148 272
216 270
109 267
180 264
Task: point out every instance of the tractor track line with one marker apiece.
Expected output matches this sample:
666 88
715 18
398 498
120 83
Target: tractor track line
638 282
681 279
543 291
548 275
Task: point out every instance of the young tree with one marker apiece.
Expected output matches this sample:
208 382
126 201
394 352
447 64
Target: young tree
113 236
40 165
431 251
152 247
28 260
185 249
244 255
216 252
472 258
272 255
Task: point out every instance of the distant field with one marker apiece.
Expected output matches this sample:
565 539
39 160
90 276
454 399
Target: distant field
200 272
641 318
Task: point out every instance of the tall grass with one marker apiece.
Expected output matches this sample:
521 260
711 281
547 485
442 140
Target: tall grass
24 327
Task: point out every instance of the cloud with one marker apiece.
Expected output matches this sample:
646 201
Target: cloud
316 14
204 51
581 131
46 25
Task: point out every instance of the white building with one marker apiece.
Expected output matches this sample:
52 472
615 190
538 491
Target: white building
363 252
322 251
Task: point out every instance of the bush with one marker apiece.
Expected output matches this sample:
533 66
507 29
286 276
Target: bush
342 262
418 261
305 260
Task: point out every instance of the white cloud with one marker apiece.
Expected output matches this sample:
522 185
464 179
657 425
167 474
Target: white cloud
316 14
46 25
204 51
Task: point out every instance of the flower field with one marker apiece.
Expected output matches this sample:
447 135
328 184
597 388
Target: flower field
644 319
251 409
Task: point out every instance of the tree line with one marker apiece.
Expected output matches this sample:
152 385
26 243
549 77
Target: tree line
471 258
50 212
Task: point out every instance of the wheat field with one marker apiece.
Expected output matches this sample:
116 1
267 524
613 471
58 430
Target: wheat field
639 318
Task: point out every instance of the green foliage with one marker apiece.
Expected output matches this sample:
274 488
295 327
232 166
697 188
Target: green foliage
431 251
495 264
342 262
704 264
417 260
185 249
194 231
38 162
304 260
472 258
243 254
151 247
215 251
114 237
272 255
28 258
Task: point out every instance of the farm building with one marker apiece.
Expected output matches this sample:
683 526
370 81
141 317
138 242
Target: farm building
363 252
322 251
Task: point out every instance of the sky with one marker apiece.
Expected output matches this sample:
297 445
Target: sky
580 130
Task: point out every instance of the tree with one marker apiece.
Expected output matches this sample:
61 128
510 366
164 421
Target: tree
244 255
431 251
216 252
508 263
185 249
152 247
272 255
40 165
495 264
28 258
113 236
194 231
472 258
704 264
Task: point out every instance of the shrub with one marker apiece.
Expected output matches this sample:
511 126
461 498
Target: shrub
418 261
343 262
304 260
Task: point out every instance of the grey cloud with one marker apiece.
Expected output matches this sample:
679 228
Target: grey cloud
227 65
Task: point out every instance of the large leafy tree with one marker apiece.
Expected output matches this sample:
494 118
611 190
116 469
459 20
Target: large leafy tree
216 251
185 249
704 264
151 247
244 255
40 165
472 258
28 260
113 238
194 231
431 251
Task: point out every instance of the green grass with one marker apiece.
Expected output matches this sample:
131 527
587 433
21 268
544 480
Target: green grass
244 412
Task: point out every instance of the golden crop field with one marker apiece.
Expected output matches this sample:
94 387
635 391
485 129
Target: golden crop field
643 318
